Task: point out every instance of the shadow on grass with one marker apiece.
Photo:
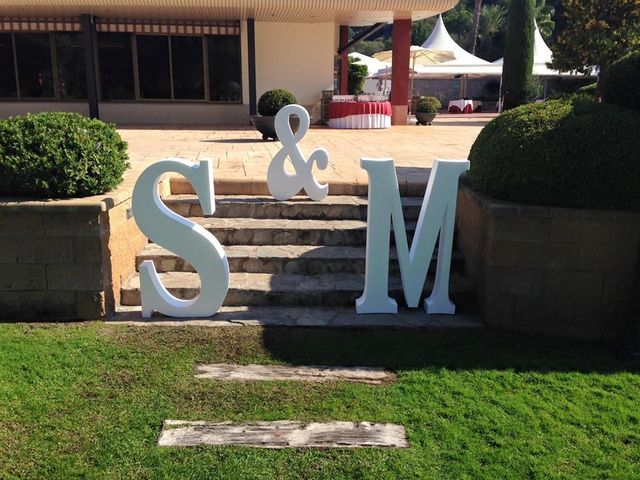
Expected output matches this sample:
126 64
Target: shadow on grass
451 349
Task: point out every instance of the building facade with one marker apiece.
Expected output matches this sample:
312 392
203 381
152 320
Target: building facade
179 61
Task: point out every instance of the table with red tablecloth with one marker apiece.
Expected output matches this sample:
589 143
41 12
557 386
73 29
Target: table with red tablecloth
461 106
360 114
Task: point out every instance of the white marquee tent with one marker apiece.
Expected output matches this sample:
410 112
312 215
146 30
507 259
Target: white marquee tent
541 56
463 65
441 40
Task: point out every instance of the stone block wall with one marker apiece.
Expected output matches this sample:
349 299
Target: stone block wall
64 260
558 271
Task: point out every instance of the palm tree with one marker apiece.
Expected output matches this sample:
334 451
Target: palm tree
477 4
544 18
492 20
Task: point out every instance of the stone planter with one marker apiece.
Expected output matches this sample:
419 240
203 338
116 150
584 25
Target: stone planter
557 271
266 125
425 118
66 259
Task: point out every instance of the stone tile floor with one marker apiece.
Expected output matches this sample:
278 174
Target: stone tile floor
241 156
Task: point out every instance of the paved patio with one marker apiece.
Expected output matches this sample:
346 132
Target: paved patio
241 157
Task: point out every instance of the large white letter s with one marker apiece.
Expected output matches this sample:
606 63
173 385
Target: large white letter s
184 238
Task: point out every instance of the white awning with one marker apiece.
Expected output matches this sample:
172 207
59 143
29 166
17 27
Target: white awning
345 12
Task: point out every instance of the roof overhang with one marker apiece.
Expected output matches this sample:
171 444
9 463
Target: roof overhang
345 12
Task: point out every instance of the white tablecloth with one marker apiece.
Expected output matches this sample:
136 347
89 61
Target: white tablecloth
361 121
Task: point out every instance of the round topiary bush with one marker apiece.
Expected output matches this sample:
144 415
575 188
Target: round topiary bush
59 155
575 153
428 105
619 84
272 101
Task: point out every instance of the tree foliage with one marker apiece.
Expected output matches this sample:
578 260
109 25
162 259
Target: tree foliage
357 75
619 84
596 32
518 54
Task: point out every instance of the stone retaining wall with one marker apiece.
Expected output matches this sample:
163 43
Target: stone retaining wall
558 271
65 260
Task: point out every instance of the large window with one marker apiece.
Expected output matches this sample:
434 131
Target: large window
187 67
35 74
153 66
71 78
7 67
130 66
116 66
225 72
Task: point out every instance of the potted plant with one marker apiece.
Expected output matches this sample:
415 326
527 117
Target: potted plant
427 109
269 105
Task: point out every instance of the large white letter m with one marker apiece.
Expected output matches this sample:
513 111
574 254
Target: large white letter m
437 216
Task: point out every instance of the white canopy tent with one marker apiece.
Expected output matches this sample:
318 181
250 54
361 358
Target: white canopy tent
441 40
541 56
463 65
466 65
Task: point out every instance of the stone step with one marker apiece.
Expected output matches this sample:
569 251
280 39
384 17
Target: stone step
283 434
286 289
258 186
339 207
302 259
231 372
260 231
343 316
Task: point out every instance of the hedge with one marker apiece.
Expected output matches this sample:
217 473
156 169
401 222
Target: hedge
566 153
619 84
59 155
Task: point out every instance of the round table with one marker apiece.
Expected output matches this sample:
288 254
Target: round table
360 115
461 106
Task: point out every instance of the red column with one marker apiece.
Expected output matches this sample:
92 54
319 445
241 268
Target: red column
401 40
344 61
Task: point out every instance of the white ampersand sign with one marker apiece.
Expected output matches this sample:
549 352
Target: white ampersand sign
283 185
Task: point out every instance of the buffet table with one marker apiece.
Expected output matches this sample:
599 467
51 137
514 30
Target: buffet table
360 115
461 106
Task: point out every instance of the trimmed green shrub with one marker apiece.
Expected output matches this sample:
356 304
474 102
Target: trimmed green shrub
518 53
619 84
534 89
428 105
272 101
591 89
567 153
357 75
60 155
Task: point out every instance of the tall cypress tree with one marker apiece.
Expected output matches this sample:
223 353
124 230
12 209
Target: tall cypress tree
518 52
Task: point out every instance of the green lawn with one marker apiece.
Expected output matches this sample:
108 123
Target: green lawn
88 401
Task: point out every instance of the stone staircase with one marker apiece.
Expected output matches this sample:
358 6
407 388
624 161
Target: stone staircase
297 253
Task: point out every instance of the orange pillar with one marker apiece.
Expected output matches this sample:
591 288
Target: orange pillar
344 61
401 40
